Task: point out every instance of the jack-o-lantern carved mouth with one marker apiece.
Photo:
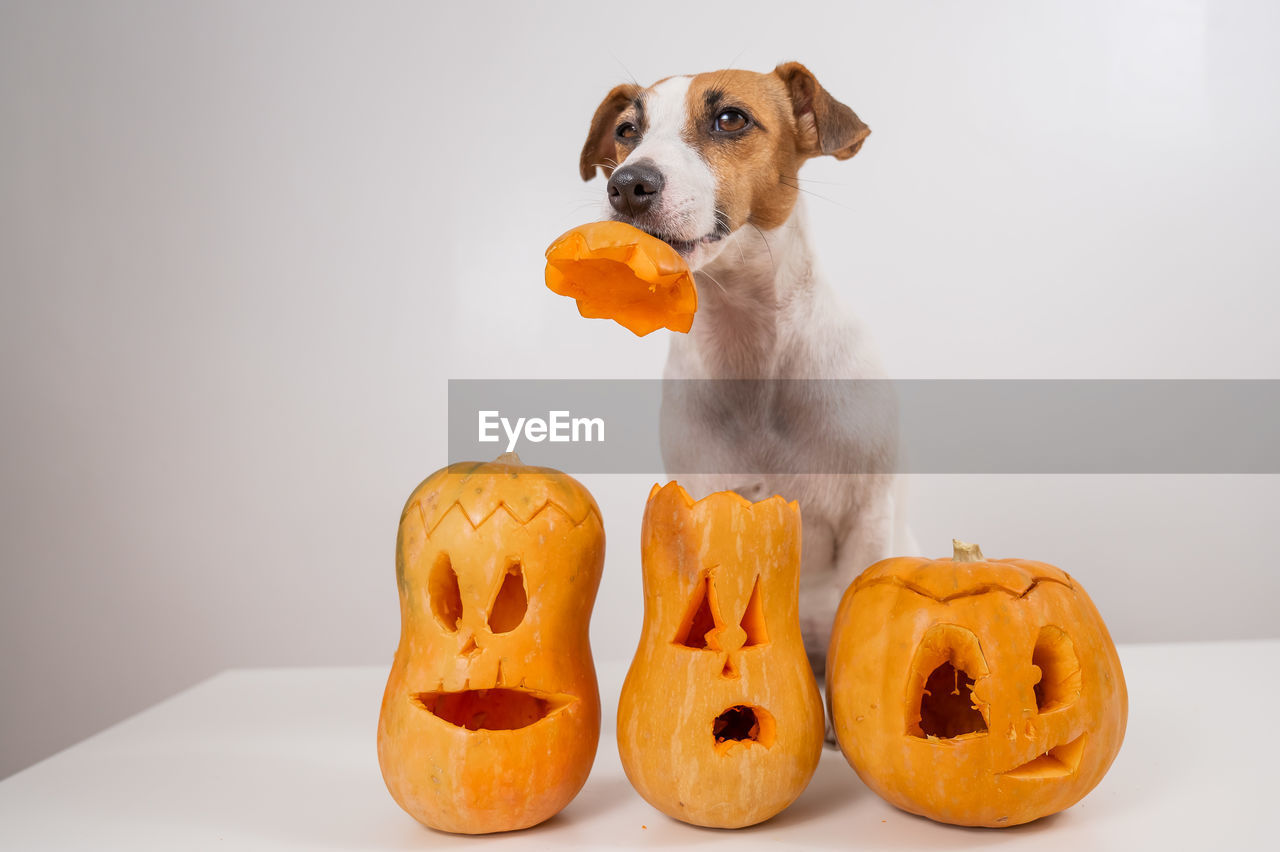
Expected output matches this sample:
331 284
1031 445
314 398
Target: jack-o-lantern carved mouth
743 725
498 709
1058 762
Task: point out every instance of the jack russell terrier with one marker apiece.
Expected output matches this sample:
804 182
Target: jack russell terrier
708 164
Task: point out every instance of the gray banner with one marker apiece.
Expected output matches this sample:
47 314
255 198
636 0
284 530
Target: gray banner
827 426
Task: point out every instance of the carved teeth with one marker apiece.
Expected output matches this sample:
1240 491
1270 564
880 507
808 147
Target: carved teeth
1057 762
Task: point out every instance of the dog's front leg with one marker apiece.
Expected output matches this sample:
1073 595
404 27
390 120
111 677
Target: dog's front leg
868 538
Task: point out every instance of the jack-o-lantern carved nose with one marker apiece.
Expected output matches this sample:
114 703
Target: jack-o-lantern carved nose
468 648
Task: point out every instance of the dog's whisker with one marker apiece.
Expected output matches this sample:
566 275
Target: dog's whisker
798 179
768 247
733 63
811 180
713 280
722 73
631 77
814 194
722 220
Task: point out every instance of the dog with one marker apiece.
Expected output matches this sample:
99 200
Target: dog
708 163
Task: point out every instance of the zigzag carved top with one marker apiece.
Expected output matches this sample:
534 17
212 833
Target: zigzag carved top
945 580
501 507
481 490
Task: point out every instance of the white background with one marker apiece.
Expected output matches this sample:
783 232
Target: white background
243 246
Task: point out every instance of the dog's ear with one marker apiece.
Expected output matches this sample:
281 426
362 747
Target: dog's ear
823 124
599 145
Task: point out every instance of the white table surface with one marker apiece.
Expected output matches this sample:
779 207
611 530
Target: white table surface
285 759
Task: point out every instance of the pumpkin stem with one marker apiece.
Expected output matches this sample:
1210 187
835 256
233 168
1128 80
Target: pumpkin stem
509 458
963 551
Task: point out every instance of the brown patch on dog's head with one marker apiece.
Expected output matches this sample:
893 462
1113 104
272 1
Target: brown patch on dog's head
600 150
755 164
789 119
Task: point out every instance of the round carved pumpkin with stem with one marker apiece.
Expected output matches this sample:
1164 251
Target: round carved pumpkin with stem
720 721
491 715
974 691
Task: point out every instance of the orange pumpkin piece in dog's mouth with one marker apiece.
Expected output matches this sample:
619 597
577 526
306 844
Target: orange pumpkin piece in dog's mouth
618 272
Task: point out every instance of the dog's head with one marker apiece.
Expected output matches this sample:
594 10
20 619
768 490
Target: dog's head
693 159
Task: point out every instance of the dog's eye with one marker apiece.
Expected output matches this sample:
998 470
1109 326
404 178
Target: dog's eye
626 130
730 121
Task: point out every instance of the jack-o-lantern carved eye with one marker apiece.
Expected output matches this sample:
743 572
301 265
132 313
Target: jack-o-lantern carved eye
442 589
511 603
940 699
1055 656
753 619
703 621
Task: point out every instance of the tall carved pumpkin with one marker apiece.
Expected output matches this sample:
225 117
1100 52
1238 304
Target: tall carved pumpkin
491 715
720 722
974 691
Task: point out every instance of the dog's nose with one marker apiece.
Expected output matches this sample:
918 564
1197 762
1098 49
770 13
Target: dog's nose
633 188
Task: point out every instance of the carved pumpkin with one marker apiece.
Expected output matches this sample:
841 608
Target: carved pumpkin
972 691
618 272
720 721
491 714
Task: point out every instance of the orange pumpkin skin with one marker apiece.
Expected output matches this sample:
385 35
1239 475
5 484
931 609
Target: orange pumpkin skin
491 714
729 734
618 272
1033 733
